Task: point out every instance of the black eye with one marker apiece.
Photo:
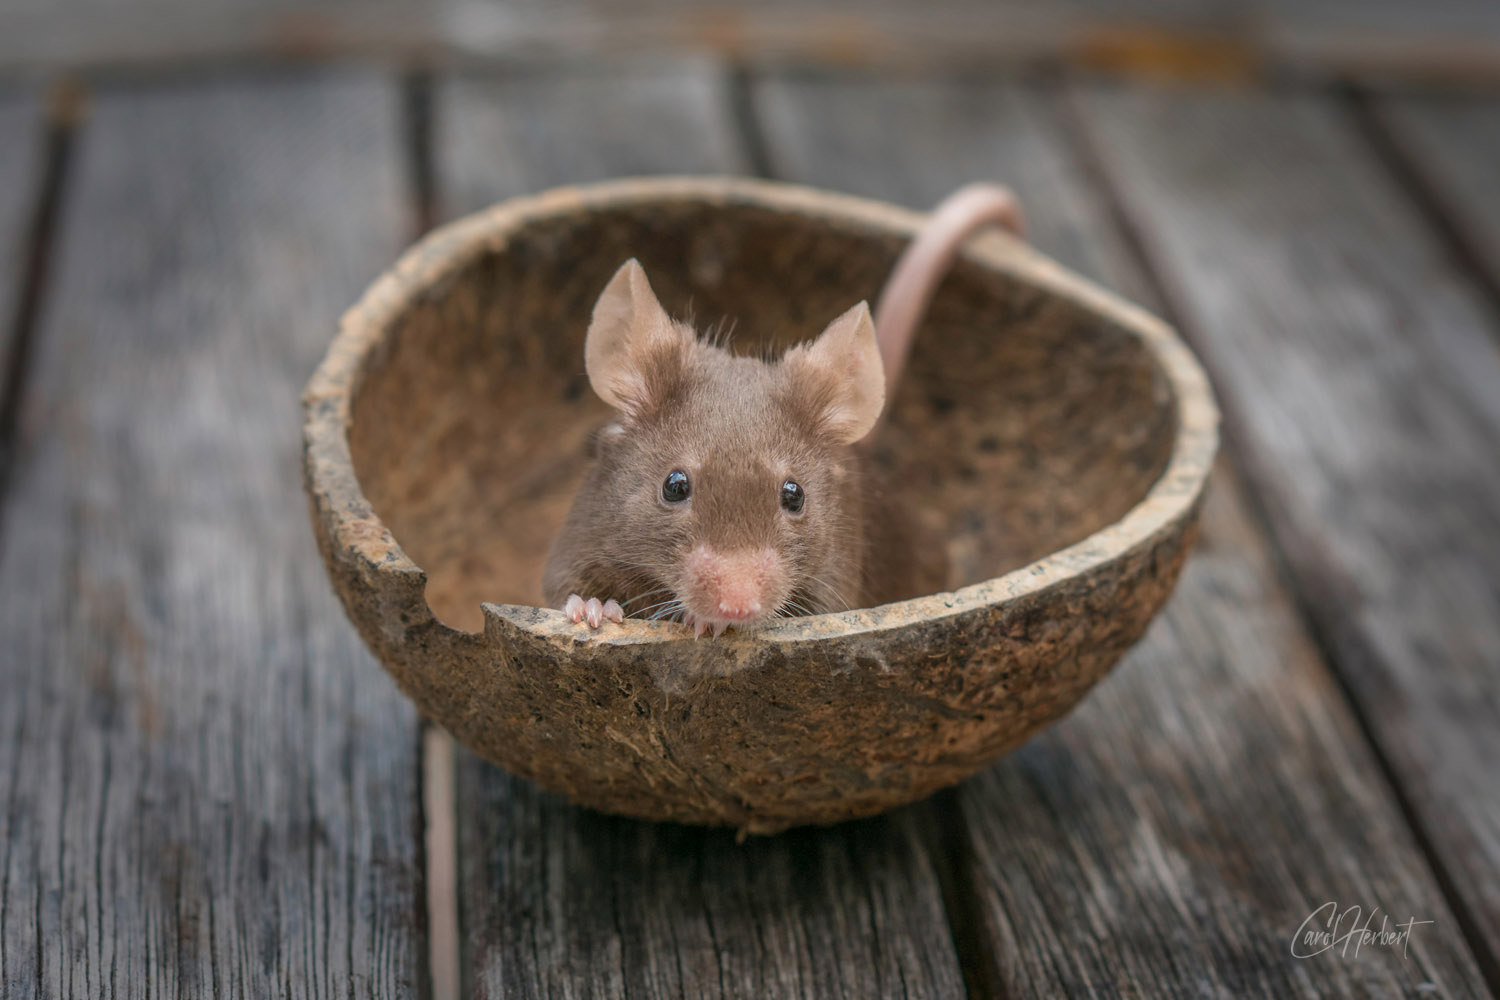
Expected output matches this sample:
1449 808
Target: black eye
792 497
676 489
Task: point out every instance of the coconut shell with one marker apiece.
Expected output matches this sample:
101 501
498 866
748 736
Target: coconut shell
1055 437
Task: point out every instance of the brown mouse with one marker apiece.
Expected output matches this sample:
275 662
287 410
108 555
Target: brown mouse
729 490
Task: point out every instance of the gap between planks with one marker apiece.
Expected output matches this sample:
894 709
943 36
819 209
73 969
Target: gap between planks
1403 155
439 800
440 807
64 111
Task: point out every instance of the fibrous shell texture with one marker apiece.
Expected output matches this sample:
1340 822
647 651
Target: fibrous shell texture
1056 438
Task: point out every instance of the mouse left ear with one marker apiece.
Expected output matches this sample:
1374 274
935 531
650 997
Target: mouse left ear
841 375
633 353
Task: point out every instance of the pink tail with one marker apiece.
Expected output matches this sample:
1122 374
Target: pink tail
914 279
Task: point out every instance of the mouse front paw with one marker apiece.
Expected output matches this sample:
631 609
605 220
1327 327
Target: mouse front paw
592 610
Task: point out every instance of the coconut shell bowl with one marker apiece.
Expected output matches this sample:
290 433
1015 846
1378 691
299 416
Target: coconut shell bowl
1056 438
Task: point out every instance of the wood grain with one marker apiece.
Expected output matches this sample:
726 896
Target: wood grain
1170 836
559 901
1451 144
1357 367
209 788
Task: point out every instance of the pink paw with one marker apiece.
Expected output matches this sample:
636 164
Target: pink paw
592 611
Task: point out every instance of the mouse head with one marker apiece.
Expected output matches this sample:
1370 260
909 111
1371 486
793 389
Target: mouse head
732 478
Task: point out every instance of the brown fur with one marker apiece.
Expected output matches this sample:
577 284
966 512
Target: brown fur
739 427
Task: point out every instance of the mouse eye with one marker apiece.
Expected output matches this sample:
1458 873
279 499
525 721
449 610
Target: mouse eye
675 488
792 497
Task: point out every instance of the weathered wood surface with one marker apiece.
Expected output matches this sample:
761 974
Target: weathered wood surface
1446 38
208 787
1358 370
1452 146
522 132
20 187
558 901
1170 836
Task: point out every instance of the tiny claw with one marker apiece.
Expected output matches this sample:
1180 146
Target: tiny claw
699 627
593 610
719 628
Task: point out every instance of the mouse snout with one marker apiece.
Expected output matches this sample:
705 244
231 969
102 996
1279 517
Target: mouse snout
732 586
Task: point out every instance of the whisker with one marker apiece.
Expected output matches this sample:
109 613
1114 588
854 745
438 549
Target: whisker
791 608
633 564
831 592
643 612
642 597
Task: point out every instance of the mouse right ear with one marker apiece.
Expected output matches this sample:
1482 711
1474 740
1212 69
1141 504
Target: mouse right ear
634 351
839 376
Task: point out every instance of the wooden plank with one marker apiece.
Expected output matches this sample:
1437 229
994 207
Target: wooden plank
558 901
208 786
1169 837
1357 367
20 187
1451 146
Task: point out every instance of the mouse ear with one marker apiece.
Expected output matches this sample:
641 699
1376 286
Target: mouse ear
634 351
841 375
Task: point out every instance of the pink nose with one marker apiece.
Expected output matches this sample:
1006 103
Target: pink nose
732 583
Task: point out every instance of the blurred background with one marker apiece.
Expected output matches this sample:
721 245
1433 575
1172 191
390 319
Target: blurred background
1443 38
207 785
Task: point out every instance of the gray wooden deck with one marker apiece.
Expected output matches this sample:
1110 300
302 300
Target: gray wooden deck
208 787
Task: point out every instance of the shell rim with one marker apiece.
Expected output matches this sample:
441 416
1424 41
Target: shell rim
355 533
